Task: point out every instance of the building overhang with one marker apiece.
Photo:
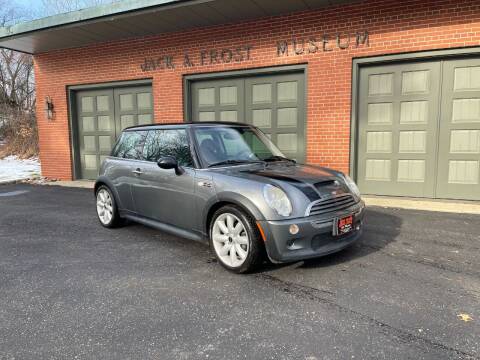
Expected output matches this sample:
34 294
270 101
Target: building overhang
138 18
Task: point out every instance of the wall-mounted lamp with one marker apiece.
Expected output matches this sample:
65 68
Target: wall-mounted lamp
49 108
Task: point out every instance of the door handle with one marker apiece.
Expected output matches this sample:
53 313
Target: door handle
137 171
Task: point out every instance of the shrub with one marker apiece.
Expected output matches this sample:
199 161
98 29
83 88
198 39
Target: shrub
18 132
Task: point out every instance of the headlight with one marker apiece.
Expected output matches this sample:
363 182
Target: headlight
277 200
352 186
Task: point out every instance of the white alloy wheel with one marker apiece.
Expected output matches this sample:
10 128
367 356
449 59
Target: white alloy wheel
230 240
104 206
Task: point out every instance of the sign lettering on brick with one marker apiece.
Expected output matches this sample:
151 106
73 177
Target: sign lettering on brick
311 45
205 57
296 46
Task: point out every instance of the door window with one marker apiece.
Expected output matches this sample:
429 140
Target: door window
174 142
130 145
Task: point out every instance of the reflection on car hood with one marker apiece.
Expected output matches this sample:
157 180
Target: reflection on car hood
315 182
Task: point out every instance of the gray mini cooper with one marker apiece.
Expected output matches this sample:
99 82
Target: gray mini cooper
230 185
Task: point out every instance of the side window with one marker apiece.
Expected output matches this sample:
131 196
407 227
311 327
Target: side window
130 145
173 142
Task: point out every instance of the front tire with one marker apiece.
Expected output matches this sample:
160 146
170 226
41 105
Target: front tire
235 239
107 211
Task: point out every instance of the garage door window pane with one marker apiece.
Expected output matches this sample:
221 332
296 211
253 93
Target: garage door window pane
126 121
467 78
206 116
206 97
411 170
463 172
262 118
144 119
90 162
228 116
412 112
88 123
262 93
413 142
287 142
381 113
287 117
465 141
104 123
105 143
379 142
144 101
89 143
102 103
415 81
466 110
87 104
287 91
126 102
380 84
378 170
228 95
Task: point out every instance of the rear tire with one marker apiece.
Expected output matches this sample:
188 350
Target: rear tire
235 240
107 210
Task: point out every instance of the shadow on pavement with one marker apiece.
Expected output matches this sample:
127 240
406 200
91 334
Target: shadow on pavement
380 229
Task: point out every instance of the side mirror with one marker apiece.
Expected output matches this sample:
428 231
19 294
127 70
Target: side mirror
169 162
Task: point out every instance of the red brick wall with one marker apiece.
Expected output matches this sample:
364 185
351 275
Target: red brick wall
393 26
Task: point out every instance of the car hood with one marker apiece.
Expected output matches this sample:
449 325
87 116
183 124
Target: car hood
314 182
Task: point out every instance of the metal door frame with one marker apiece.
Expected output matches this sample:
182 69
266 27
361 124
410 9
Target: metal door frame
71 91
358 63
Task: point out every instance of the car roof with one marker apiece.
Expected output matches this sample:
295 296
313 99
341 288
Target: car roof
184 125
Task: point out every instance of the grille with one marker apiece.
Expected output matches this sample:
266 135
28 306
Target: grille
331 204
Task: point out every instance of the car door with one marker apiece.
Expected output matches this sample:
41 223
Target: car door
123 166
162 194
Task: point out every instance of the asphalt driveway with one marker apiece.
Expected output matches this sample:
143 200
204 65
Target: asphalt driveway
72 289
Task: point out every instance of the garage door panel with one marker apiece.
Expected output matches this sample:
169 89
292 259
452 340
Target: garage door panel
93 110
459 142
101 116
419 129
274 103
398 117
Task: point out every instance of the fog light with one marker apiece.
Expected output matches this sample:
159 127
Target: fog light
293 229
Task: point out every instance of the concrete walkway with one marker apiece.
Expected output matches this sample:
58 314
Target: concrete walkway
451 206
85 184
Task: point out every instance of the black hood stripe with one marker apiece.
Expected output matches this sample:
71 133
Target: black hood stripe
306 189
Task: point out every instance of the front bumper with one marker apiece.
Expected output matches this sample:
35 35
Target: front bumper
315 237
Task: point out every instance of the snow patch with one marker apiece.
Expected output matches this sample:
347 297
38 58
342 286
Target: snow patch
13 168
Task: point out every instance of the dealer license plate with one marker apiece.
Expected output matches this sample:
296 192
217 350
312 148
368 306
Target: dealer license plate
343 225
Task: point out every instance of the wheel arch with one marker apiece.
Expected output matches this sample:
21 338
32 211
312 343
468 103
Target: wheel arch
237 200
102 180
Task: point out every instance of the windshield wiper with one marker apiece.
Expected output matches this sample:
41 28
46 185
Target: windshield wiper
278 158
235 162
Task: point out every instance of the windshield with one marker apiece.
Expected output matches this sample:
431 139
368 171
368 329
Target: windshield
221 145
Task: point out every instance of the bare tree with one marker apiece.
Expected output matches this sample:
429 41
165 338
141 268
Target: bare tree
52 7
17 92
17 85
